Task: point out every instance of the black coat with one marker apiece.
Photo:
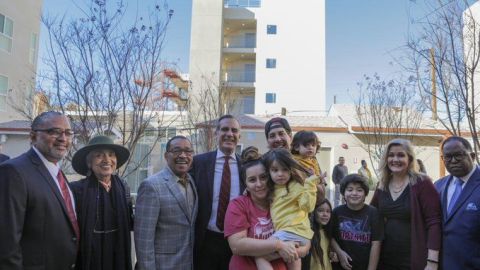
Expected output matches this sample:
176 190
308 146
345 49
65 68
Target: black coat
86 191
35 232
203 171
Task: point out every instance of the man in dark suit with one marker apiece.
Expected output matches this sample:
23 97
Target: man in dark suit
38 226
3 158
217 178
460 198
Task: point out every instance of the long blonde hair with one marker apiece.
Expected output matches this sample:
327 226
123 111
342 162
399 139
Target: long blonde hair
412 169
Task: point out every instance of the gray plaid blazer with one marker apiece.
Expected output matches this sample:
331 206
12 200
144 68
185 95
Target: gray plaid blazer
164 228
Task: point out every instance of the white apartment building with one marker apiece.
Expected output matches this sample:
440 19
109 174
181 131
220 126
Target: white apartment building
19 35
264 55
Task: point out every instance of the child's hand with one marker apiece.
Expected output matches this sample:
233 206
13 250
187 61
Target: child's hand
345 260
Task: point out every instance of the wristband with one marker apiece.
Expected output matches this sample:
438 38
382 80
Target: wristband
432 261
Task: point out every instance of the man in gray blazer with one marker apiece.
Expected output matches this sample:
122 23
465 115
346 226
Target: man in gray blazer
165 212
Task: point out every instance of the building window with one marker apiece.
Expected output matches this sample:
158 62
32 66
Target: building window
271 29
33 49
3 92
248 105
271 63
6 33
165 133
270 98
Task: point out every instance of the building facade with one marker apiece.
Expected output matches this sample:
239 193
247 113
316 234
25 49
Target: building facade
19 35
262 55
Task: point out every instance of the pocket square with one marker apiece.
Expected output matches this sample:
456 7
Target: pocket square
471 207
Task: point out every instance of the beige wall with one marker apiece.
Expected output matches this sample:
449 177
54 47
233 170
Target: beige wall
205 44
15 64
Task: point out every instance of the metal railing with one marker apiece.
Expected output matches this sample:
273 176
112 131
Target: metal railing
238 75
242 3
240 42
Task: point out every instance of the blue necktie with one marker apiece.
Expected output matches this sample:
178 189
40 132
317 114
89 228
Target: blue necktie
456 194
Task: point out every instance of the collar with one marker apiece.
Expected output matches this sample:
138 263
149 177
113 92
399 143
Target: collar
466 177
51 167
221 155
177 179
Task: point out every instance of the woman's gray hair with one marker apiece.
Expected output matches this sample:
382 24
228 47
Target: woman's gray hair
88 160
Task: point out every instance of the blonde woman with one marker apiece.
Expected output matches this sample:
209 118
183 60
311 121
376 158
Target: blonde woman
410 207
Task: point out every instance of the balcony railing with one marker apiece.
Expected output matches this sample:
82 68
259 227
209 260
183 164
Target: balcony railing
248 41
242 3
237 75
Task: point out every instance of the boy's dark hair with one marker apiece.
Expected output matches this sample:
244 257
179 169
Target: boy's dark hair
353 178
304 137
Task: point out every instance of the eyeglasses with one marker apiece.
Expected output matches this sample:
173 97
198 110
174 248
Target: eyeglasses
457 156
178 152
57 132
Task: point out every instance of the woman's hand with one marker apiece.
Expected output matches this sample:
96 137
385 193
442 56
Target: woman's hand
333 256
288 251
345 260
302 251
431 266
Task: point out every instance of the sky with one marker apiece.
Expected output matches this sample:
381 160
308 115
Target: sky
361 38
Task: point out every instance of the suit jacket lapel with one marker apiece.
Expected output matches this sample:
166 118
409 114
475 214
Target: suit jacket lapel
47 177
212 159
195 204
240 182
470 186
444 197
171 183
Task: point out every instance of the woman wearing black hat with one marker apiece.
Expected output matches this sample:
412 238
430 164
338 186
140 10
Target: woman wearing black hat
103 206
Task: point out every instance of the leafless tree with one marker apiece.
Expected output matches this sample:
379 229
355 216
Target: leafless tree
444 56
387 109
207 102
103 68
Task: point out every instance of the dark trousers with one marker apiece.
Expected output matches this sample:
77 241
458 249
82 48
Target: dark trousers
214 252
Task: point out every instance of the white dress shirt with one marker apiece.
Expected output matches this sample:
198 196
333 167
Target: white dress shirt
217 181
53 170
451 186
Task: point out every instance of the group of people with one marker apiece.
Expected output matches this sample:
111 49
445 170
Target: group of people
221 210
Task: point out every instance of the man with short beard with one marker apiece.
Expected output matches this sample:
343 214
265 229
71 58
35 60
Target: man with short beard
165 212
278 133
217 177
38 225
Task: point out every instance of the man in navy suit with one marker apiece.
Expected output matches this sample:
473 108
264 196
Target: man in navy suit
38 225
217 178
460 198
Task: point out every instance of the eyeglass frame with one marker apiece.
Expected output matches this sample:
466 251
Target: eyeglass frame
178 152
57 132
457 156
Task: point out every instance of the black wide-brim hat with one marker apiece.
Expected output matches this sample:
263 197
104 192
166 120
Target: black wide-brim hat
79 160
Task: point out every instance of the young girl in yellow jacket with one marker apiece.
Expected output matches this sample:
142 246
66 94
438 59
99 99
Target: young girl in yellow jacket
293 199
320 250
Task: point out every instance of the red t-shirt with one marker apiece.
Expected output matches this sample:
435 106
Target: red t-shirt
242 215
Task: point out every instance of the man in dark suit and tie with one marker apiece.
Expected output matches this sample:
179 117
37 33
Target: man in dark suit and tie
2 156
217 178
460 198
38 226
